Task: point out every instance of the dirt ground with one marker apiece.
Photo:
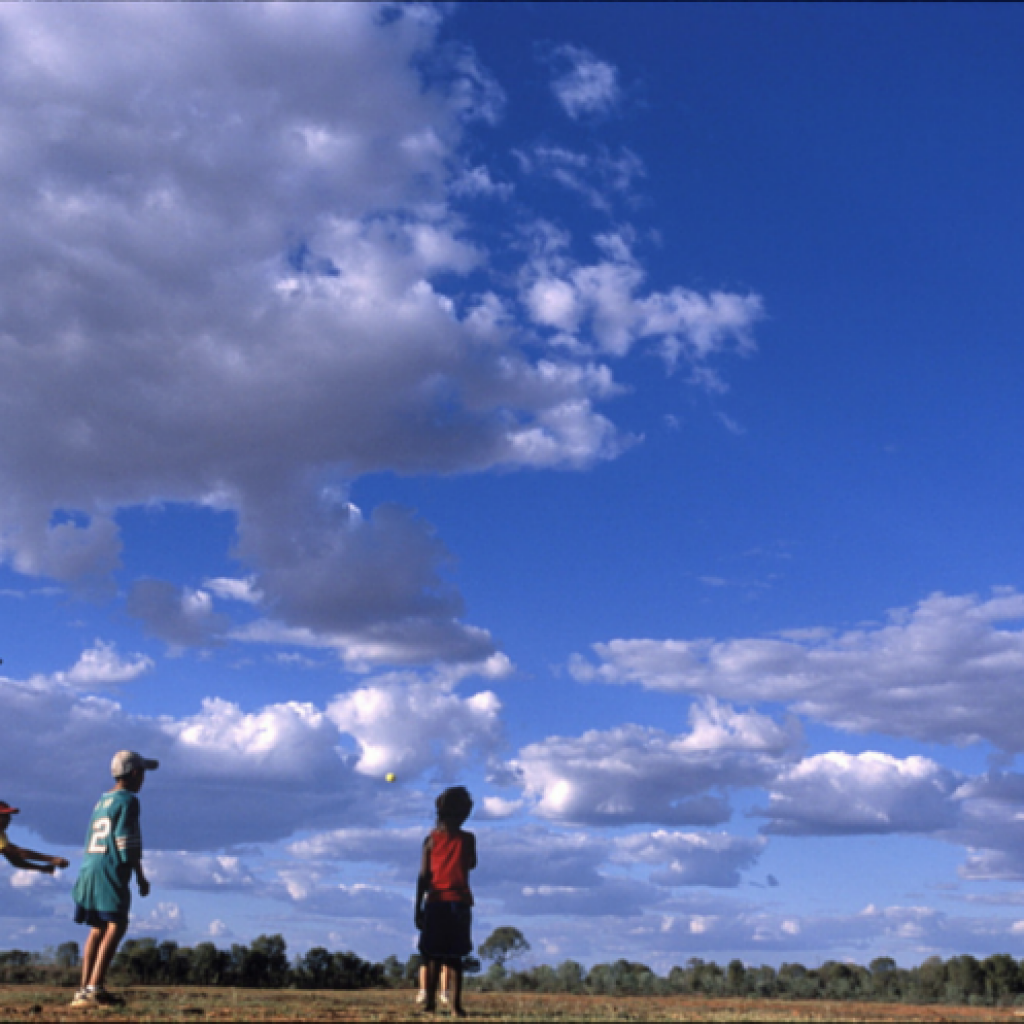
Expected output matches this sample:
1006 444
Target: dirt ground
29 1003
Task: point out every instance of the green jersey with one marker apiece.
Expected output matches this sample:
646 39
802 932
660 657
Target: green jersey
113 847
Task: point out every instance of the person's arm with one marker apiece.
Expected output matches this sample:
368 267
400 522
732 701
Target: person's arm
43 858
422 882
469 851
129 843
23 859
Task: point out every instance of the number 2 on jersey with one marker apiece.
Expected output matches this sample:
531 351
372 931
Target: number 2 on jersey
100 834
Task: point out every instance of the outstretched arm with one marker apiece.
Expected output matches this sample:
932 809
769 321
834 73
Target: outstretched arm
29 860
43 858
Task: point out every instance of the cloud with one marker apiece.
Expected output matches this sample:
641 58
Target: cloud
393 846
610 897
584 85
164 919
222 292
606 298
239 271
992 826
245 776
599 178
869 793
169 870
359 900
101 666
229 589
408 728
632 774
32 900
495 808
536 855
945 671
689 858
375 587
179 615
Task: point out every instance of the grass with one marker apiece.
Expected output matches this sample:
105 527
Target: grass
36 1003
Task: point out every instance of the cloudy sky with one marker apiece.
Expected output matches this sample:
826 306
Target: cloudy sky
615 409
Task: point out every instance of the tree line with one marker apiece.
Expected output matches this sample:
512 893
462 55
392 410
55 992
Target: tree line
265 963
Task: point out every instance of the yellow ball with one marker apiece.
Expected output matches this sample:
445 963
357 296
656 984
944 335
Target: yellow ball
390 777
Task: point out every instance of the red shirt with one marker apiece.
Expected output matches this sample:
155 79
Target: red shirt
451 859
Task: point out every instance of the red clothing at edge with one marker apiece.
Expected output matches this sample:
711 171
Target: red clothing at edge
451 859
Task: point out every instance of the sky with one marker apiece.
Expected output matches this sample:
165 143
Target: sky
612 409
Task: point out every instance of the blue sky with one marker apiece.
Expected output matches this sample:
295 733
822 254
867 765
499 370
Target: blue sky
614 409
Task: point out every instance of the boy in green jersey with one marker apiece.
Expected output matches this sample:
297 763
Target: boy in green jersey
18 856
113 853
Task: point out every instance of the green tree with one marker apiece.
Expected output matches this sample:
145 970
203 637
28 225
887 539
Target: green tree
1002 976
736 978
314 969
139 960
570 976
503 945
67 955
394 972
965 980
208 965
931 980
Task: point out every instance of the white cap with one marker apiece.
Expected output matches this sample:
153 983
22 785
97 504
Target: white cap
127 761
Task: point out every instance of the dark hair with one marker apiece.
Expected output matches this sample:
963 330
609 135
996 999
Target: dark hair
454 806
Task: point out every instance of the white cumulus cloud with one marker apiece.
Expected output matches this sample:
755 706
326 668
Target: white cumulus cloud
870 793
634 774
406 728
947 670
101 666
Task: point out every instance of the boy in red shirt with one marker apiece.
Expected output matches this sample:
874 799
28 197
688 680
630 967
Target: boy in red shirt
443 896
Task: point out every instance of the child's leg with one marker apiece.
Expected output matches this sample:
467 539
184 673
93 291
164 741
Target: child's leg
110 939
92 947
455 987
433 973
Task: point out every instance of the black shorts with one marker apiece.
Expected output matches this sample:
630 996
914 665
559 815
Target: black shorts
98 918
446 930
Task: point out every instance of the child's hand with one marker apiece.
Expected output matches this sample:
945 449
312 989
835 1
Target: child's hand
143 887
60 862
48 869
419 918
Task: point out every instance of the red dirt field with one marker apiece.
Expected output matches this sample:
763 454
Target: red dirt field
34 1003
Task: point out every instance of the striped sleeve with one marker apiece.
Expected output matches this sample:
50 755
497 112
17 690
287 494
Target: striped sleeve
128 835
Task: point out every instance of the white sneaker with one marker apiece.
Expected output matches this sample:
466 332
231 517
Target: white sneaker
421 997
96 995
443 998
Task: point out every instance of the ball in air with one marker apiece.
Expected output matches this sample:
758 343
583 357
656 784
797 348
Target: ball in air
390 777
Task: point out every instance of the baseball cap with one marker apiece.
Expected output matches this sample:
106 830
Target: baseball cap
6 808
127 761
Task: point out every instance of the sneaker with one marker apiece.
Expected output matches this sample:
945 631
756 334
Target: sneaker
443 998
421 997
96 996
